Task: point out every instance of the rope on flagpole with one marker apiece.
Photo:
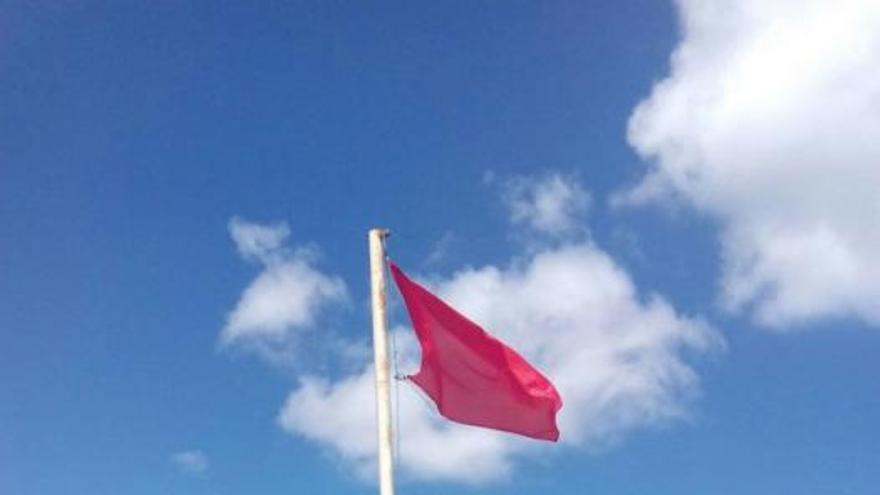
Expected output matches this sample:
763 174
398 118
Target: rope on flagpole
397 457
426 401
394 365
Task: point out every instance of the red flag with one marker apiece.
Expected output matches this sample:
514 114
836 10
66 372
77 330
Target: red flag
473 377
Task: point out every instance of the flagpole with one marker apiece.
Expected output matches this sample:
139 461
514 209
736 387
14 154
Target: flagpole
380 359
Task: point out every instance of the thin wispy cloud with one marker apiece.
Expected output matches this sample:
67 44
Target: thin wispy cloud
768 122
554 205
441 249
194 462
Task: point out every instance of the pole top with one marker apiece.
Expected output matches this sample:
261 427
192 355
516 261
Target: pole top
381 232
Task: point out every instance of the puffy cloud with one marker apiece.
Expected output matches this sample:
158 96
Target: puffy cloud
770 122
551 205
191 461
286 296
341 414
616 357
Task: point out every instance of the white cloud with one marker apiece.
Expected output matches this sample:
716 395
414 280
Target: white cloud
616 358
191 461
770 122
286 296
258 242
553 205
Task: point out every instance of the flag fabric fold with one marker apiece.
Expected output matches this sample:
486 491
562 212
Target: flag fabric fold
471 376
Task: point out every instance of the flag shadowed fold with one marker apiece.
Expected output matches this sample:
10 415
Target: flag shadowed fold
472 377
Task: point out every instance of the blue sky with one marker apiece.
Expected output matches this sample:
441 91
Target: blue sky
169 172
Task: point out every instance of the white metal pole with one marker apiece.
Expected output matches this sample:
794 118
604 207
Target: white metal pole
380 360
